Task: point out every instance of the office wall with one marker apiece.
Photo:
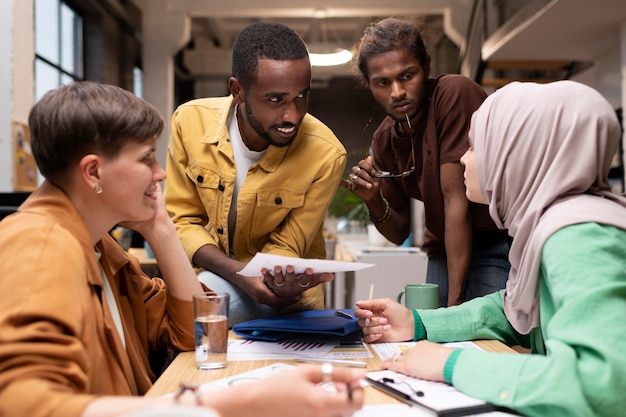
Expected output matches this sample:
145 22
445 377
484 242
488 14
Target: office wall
111 51
16 77
6 102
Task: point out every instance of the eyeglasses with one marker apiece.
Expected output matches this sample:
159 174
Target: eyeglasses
388 174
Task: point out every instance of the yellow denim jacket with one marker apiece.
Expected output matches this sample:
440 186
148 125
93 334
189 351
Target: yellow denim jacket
281 204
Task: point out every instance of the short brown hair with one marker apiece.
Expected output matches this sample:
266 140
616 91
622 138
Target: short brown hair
86 117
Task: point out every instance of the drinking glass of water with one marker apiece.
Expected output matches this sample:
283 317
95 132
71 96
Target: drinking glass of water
210 312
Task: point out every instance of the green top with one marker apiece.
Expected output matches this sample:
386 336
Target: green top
580 370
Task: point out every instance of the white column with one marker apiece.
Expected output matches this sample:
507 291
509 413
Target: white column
16 77
164 34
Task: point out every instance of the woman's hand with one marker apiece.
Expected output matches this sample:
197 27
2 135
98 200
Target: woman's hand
159 225
384 320
426 360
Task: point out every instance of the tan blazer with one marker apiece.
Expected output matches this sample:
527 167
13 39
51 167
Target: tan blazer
58 343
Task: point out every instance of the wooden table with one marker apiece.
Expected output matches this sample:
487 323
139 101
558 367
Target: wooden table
183 369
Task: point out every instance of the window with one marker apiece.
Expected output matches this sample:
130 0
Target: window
58 45
138 81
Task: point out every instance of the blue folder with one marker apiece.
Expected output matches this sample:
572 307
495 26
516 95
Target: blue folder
324 322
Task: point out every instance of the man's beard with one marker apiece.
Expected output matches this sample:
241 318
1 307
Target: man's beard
256 125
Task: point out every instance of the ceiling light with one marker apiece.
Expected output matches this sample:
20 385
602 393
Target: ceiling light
329 57
324 54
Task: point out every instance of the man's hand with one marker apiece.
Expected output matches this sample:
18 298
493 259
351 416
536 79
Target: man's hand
289 285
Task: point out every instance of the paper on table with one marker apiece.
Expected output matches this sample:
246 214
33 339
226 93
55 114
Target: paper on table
269 261
390 349
316 346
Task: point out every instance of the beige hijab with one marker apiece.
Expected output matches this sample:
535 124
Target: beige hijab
543 153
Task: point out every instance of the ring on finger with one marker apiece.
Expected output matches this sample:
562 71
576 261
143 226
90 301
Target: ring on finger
327 372
395 358
269 287
276 283
306 285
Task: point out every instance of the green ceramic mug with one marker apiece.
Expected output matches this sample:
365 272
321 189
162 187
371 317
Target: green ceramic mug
421 296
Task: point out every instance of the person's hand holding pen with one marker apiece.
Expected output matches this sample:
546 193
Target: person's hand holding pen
384 320
300 391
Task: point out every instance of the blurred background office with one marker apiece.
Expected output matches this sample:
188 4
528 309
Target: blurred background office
170 51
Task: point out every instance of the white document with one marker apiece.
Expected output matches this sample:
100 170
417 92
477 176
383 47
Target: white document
437 396
313 346
246 377
269 261
246 349
390 349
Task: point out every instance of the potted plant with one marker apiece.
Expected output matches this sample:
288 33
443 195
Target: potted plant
350 211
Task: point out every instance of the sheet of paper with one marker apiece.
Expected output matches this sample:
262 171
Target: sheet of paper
435 395
269 261
245 377
317 347
389 350
247 349
395 410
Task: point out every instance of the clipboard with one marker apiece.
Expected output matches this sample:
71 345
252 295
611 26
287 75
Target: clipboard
438 398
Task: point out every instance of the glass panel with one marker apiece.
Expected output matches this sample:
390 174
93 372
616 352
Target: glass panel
46 78
66 79
47 29
71 41
138 82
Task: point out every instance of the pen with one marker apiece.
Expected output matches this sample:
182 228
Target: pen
371 291
367 321
356 364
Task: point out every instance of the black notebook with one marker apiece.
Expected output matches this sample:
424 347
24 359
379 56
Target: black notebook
439 398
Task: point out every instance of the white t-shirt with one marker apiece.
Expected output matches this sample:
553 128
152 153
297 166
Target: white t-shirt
244 159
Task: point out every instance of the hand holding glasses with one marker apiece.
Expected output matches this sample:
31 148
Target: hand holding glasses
382 174
387 174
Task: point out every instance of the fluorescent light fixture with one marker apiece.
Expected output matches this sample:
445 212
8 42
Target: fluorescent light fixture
338 56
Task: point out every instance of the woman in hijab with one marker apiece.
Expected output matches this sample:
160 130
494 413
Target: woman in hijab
539 157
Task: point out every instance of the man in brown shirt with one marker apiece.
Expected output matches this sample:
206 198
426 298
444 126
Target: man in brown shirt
419 145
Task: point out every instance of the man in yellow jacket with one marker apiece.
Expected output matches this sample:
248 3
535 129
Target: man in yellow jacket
254 172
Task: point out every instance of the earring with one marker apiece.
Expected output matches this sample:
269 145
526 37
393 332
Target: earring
97 188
